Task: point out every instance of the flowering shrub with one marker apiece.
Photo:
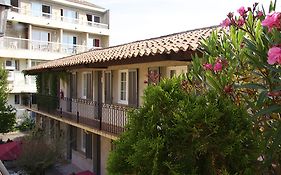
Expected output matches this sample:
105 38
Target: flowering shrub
249 45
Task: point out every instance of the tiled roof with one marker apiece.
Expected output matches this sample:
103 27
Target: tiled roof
174 43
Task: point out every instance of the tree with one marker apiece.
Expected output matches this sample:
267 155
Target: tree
7 112
183 131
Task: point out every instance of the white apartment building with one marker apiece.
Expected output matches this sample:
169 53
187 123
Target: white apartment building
43 30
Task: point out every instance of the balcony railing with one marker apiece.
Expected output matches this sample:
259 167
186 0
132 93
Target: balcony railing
50 16
36 45
106 117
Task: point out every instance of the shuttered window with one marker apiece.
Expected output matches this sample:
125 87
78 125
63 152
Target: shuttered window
87 86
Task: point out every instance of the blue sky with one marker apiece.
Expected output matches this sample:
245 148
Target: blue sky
132 20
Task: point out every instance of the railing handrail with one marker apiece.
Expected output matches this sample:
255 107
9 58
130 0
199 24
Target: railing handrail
110 118
61 18
48 42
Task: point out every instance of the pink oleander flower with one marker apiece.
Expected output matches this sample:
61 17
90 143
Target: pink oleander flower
228 89
222 61
218 67
226 23
274 93
208 66
274 55
272 21
240 22
259 14
242 11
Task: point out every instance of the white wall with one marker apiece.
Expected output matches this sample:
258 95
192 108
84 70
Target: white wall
105 150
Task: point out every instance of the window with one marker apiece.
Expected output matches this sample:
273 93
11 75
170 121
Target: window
36 9
128 87
93 42
17 99
15 5
97 19
172 73
89 17
17 64
46 11
83 140
69 42
96 43
123 86
39 9
41 40
87 86
69 15
9 63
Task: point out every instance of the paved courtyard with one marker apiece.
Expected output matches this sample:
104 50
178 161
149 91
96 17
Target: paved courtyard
12 135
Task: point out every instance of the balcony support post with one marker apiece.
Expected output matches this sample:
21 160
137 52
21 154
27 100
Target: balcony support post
60 40
60 111
77 117
29 44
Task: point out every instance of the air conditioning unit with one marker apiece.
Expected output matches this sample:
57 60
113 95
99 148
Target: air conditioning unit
10 64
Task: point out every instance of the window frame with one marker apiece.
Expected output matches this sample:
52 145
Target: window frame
44 14
84 96
125 102
96 17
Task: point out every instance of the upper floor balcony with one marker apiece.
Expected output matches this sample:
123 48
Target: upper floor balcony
26 48
54 20
109 118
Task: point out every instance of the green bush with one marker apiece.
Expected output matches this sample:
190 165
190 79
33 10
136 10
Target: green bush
27 124
180 132
39 153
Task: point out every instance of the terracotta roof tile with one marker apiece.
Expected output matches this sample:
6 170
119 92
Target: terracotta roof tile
184 41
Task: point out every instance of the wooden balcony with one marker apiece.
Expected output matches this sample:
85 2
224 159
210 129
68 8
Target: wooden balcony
105 117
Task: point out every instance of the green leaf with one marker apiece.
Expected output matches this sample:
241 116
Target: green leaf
272 68
251 86
213 82
261 98
271 109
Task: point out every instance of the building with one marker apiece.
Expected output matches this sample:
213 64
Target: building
89 93
42 30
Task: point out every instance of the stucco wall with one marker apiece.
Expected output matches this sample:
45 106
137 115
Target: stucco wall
165 67
105 150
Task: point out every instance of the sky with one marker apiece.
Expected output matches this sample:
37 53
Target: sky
132 20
